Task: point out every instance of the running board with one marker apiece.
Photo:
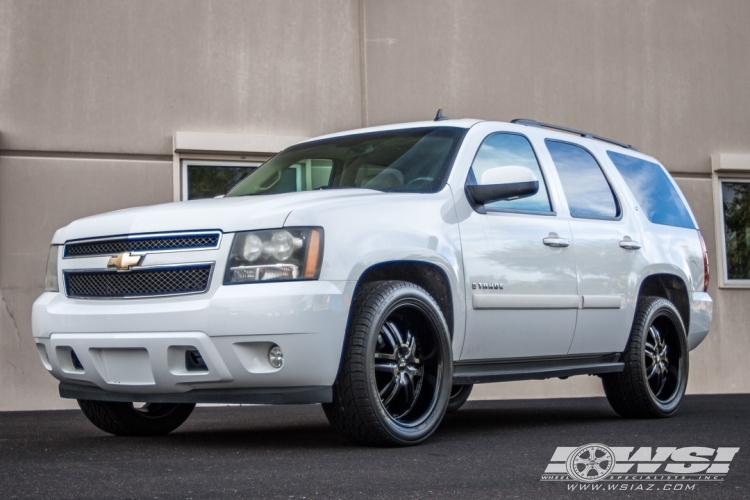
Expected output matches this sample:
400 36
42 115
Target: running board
483 371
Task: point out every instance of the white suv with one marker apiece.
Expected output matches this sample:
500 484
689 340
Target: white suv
382 272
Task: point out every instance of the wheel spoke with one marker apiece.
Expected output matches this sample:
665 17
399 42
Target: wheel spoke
386 332
661 380
396 333
385 367
396 388
383 355
653 371
656 334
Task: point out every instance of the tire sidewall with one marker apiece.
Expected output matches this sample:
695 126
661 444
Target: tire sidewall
416 297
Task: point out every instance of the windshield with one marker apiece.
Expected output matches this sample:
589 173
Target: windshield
409 160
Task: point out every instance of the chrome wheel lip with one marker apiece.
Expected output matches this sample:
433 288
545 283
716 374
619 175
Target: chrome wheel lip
409 351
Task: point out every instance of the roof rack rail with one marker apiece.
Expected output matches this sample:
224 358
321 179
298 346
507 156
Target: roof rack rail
534 123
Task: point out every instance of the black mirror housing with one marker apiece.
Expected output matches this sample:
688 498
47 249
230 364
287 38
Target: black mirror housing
498 192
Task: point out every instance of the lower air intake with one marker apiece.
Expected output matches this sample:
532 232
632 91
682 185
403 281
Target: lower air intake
138 283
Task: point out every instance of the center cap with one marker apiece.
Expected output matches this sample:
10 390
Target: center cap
401 364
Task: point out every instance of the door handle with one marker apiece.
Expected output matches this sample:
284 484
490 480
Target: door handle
629 244
556 242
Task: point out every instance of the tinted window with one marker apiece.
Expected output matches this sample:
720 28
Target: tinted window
409 160
651 186
586 189
736 204
504 150
208 181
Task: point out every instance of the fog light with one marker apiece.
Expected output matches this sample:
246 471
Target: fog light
276 357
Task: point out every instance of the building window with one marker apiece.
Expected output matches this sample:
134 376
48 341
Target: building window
735 210
209 179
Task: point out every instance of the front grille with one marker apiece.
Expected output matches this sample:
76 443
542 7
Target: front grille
138 283
142 244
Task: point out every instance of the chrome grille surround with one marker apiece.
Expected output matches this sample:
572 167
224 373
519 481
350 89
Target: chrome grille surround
144 243
142 282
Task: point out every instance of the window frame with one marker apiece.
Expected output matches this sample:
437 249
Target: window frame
618 204
207 162
553 209
725 282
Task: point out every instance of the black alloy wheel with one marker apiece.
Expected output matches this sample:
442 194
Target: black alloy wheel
656 363
394 383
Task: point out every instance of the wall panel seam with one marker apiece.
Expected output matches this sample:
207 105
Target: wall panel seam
84 156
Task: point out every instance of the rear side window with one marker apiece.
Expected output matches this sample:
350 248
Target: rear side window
653 189
586 189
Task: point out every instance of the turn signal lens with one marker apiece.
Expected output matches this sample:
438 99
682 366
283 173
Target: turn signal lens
50 280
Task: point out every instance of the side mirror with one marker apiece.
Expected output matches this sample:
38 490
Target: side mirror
504 183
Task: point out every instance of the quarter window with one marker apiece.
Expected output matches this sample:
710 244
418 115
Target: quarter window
736 217
504 150
588 193
651 186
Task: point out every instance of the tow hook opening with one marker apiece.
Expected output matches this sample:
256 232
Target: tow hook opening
194 361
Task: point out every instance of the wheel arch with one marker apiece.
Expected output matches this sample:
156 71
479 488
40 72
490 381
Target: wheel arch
427 275
671 287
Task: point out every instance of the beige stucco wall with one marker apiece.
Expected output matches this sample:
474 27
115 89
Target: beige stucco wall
92 93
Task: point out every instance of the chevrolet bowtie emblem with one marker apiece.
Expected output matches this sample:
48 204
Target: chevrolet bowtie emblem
124 261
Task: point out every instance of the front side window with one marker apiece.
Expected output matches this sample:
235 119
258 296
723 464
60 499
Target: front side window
736 214
654 191
505 150
408 161
588 193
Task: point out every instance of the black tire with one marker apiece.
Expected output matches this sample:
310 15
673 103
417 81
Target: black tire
459 395
656 364
123 419
399 327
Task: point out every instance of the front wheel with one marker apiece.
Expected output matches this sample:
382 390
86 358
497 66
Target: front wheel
656 364
125 419
395 378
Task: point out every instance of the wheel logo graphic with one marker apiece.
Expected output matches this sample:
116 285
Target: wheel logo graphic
590 463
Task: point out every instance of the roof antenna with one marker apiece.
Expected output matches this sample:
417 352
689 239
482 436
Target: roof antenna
439 116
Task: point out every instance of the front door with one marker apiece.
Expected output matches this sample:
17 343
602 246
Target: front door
519 265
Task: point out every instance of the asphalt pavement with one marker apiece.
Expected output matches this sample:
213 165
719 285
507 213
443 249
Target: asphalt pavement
489 449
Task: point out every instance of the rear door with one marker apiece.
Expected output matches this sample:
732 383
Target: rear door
607 242
519 265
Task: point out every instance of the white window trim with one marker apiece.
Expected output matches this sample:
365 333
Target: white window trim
726 168
214 163
222 148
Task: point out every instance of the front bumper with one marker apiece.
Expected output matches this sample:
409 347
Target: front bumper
129 348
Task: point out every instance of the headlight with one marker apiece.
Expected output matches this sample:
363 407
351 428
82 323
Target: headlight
50 280
275 255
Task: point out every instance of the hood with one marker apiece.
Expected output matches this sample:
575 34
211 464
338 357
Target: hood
243 213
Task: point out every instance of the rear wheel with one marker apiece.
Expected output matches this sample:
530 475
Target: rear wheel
127 419
395 378
656 364
459 395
